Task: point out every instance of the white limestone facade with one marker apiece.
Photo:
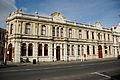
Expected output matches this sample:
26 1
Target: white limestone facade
54 38
116 39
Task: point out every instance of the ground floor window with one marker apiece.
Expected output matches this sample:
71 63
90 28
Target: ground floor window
105 49
23 49
30 50
39 49
88 52
78 49
46 50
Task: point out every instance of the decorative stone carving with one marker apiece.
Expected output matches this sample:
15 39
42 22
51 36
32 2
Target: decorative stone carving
58 17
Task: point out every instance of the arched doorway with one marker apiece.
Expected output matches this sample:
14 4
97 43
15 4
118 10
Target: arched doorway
58 53
9 55
100 51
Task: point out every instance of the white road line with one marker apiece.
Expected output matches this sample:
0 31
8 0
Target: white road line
69 66
101 74
28 69
45 68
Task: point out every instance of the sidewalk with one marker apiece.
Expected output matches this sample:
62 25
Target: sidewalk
10 64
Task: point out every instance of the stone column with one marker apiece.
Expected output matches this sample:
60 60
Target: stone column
17 27
70 50
96 51
17 51
27 49
65 52
76 51
39 33
55 31
61 57
23 27
35 50
50 51
55 52
42 49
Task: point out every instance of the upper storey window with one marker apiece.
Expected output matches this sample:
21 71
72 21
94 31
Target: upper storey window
92 35
104 36
58 32
87 34
108 37
80 34
43 30
53 31
11 28
98 36
61 32
27 28
70 33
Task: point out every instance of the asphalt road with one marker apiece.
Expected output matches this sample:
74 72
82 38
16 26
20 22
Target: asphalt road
101 70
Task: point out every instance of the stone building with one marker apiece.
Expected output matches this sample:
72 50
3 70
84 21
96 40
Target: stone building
116 39
54 38
2 44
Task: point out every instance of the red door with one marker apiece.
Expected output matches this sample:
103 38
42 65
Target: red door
100 51
58 53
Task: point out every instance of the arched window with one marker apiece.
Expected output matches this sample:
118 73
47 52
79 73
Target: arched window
30 50
23 49
46 50
39 49
11 28
27 28
43 30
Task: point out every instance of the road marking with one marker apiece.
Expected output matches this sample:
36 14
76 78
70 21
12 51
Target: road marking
28 69
69 66
45 68
101 74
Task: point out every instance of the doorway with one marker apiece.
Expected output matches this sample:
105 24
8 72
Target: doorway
58 53
100 51
9 56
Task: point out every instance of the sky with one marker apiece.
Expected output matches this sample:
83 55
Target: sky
87 11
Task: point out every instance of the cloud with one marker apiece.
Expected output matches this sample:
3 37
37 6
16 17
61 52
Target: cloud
6 6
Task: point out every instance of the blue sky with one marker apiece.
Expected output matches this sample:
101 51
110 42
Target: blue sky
105 11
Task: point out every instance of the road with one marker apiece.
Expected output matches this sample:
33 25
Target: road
101 70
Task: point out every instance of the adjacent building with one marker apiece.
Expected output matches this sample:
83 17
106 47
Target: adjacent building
2 44
116 39
55 38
